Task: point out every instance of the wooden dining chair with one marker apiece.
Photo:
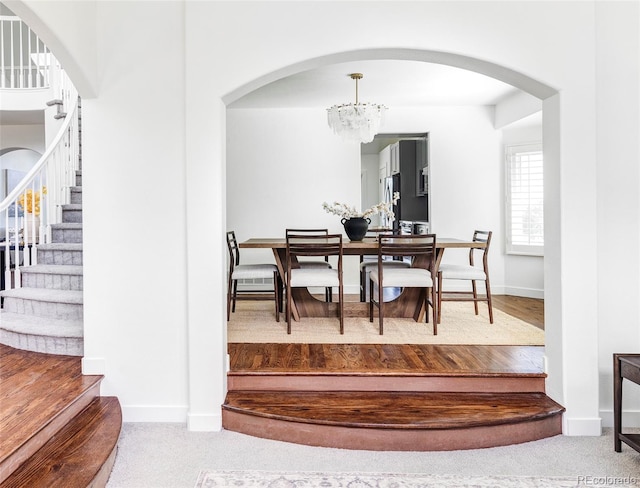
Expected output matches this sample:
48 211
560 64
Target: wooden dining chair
367 263
468 272
314 263
304 245
239 271
422 250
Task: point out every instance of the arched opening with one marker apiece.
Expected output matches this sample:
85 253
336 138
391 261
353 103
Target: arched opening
528 85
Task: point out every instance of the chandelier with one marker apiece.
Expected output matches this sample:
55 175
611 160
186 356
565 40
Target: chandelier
356 121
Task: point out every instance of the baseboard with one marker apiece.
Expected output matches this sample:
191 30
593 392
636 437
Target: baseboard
521 292
630 418
581 426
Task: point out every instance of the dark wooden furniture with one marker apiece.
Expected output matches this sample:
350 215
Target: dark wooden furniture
319 245
314 263
421 274
468 272
239 271
409 304
624 366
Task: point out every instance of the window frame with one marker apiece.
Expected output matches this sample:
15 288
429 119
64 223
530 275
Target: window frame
511 150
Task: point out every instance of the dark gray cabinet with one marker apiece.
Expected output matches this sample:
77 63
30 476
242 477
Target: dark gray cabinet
413 192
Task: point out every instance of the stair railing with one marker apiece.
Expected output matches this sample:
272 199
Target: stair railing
35 205
25 61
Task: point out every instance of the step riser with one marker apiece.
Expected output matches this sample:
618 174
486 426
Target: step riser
76 197
385 383
52 281
71 236
49 256
71 216
38 308
67 346
392 439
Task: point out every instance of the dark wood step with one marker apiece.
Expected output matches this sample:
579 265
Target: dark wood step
386 367
393 420
80 455
44 399
31 411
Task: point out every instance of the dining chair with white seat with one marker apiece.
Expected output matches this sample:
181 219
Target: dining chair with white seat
239 272
318 245
422 249
314 263
468 272
368 263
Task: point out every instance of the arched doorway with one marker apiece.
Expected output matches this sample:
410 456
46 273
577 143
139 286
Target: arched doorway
533 87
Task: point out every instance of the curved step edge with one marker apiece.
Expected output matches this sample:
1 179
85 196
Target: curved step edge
81 454
381 439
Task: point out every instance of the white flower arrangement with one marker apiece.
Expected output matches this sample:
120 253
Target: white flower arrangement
348 212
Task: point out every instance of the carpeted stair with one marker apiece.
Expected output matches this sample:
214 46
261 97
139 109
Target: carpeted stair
46 313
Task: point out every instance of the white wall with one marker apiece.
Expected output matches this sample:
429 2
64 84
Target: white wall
134 200
155 313
281 166
524 275
370 184
617 198
23 136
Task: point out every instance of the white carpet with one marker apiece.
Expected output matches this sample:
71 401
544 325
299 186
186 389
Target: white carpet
268 479
254 321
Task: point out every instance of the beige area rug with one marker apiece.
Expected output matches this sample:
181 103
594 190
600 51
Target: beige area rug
269 479
254 321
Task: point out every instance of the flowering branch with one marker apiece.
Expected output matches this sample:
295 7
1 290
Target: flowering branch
348 212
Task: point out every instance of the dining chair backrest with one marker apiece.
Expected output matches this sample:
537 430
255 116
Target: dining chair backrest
423 245
483 236
309 232
234 250
314 245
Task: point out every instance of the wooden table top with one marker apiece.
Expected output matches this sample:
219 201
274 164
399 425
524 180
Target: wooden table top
366 243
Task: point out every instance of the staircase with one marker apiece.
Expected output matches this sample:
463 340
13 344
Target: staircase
56 429
45 313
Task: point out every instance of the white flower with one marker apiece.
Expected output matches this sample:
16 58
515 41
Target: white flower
347 212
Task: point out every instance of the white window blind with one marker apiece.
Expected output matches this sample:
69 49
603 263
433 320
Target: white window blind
525 199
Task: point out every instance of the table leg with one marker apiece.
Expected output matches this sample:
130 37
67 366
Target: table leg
617 404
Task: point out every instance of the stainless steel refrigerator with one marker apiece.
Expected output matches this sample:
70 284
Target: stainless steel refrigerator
392 185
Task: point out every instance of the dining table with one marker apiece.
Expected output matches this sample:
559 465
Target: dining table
408 304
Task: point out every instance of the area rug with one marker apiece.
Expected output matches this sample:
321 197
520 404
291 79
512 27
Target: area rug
269 479
254 321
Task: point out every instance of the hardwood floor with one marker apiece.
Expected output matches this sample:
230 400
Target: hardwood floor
531 310
353 358
394 359
56 429
394 397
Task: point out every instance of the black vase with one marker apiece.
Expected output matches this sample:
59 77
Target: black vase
356 227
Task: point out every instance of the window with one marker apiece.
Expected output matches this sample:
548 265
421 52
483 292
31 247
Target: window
525 199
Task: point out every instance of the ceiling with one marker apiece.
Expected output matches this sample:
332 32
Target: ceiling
394 83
